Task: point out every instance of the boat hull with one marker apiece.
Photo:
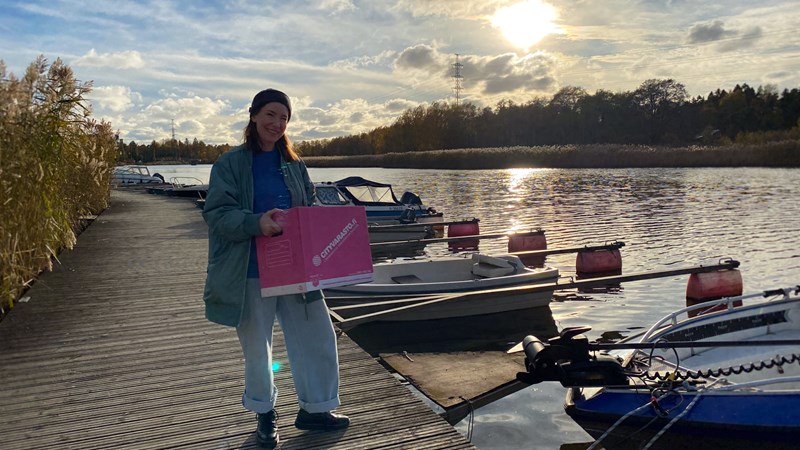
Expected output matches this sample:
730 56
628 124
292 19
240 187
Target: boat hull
715 416
747 394
383 293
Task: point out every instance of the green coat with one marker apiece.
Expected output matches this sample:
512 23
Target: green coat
232 224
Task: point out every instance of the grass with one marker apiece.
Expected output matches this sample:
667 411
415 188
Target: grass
55 167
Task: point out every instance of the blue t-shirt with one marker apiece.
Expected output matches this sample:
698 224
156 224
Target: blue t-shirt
269 191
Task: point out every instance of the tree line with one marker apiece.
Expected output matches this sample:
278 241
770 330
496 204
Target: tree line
170 150
659 112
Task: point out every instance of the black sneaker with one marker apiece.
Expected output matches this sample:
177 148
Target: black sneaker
325 421
267 431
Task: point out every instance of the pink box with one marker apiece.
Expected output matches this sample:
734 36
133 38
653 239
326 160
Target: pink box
320 247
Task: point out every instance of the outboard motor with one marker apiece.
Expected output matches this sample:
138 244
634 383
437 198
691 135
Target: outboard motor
410 198
408 216
566 359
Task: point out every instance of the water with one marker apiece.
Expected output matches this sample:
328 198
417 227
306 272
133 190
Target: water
668 219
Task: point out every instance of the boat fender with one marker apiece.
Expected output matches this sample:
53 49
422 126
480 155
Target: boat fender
704 287
598 261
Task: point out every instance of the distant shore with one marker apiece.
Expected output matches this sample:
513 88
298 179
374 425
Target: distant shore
771 154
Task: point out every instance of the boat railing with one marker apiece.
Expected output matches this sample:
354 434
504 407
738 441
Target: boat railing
759 383
676 317
179 182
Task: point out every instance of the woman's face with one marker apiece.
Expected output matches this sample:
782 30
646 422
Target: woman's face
270 123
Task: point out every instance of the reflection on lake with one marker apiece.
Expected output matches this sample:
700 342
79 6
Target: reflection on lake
668 219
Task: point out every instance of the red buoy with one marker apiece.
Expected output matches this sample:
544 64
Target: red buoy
606 261
528 242
463 228
523 242
703 287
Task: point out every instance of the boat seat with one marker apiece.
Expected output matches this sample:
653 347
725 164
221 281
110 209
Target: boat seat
405 279
491 266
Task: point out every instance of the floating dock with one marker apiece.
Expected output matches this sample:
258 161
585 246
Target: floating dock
111 350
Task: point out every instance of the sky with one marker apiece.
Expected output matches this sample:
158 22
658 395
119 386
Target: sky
350 66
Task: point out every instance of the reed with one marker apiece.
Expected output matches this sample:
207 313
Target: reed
55 168
784 153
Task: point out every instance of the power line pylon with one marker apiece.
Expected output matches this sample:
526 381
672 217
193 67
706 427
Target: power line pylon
457 78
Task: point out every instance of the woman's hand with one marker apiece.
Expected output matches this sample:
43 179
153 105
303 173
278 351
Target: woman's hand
268 226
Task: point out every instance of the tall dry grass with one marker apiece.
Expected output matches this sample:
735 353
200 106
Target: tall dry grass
55 167
770 154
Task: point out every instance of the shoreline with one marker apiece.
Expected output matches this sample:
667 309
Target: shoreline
785 154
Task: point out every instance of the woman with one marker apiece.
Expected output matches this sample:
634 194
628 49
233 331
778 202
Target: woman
248 185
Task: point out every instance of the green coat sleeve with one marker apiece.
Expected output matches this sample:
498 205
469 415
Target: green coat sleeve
228 208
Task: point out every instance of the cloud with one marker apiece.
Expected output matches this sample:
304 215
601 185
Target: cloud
729 39
422 58
508 73
450 8
113 98
706 32
120 60
748 38
489 75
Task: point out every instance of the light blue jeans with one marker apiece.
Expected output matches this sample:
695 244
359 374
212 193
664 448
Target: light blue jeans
310 342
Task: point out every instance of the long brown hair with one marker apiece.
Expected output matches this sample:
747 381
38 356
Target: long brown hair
285 146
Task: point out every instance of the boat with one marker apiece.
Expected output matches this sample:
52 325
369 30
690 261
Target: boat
401 233
378 199
135 174
188 187
408 280
718 374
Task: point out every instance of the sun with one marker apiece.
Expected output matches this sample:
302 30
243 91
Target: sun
526 23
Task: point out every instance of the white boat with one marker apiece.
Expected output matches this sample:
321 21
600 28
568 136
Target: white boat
134 175
726 378
412 280
378 200
399 232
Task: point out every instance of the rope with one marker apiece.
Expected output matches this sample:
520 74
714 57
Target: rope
471 422
678 417
622 419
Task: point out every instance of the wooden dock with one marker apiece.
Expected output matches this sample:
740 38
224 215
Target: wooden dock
111 350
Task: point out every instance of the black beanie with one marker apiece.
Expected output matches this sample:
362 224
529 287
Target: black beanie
269 96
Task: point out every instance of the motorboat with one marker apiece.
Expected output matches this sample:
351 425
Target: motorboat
189 187
378 199
134 174
408 281
718 374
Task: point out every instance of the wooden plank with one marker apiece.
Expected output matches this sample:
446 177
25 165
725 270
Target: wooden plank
112 350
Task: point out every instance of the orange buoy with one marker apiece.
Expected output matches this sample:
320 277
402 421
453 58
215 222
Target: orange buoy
606 261
703 287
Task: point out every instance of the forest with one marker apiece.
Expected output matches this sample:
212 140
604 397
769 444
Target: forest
658 113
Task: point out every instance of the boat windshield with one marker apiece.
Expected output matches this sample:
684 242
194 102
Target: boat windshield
372 194
330 196
136 170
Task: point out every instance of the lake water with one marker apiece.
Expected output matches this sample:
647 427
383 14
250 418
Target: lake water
668 219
